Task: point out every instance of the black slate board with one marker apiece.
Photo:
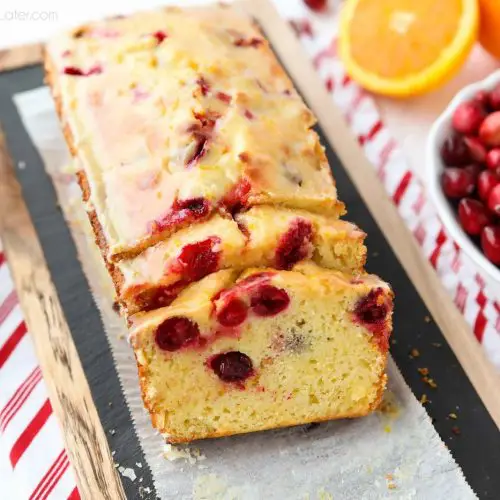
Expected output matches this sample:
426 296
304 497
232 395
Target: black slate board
476 449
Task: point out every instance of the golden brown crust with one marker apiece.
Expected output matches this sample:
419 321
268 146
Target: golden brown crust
51 81
82 180
155 420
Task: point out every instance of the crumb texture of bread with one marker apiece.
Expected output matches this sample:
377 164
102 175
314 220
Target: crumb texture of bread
215 210
315 359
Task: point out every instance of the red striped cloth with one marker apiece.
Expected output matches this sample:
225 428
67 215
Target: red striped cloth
29 432
479 303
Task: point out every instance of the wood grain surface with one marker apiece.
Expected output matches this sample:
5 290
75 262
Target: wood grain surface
457 332
18 57
68 389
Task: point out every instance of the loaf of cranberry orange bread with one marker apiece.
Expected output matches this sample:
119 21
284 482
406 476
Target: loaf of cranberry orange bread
245 352
215 210
263 236
177 113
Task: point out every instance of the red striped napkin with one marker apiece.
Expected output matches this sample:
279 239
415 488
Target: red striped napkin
29 432
479 303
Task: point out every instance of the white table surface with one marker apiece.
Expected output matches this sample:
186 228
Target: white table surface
25 21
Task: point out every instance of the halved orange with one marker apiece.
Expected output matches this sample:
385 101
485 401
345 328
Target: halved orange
489 26
406 47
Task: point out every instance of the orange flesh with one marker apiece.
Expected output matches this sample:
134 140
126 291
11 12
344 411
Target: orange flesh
397 38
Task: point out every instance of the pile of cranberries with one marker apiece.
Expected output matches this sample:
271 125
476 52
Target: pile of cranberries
471 178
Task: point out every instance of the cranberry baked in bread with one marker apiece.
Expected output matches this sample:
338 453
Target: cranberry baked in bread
216 213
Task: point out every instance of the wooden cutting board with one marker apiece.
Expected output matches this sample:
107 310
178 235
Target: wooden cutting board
78 367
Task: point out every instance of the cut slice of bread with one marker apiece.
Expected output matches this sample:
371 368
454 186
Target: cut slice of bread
263 350
261 237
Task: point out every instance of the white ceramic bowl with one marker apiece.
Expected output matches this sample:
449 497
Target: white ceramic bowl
434 167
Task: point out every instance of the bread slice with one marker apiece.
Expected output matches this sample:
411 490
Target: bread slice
263 350
262 236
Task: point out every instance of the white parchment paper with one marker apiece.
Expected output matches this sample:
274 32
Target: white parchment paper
395 453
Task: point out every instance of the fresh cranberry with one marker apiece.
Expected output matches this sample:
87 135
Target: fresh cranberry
248 114
474 170
494 99
493 159
494 200
490 243
489 132
454 151
372 309
317 5
160 36
486 181
295 244
232 366
476 149
468 117
233 312
196 260
473 216
269 301
176 332
457 182
237 198
483 98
